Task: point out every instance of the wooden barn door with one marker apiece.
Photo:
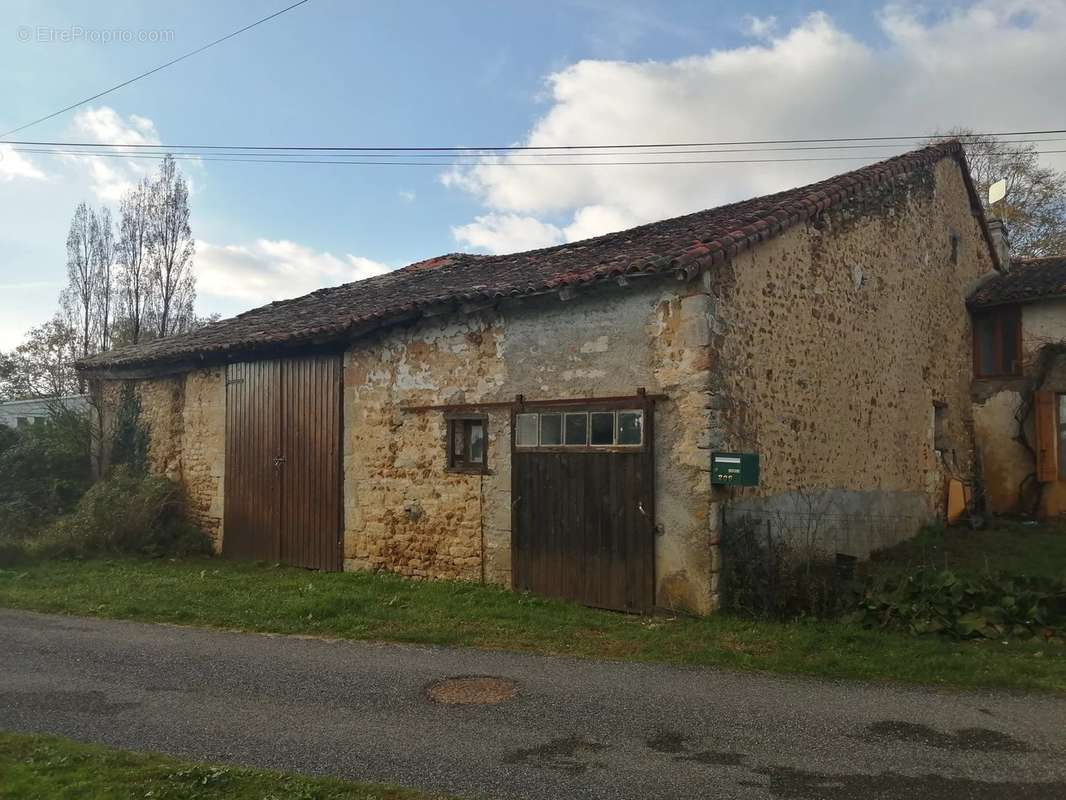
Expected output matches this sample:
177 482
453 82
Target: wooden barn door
251 526
283 481
583 521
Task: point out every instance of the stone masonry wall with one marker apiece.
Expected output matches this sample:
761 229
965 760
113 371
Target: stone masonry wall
1007 466
185 419
838 338
404 512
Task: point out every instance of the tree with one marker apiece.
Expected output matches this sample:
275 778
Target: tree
134 278
82 293
1035 206
172 248
43 365
104 269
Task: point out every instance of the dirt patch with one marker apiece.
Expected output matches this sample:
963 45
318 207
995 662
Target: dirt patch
571 754
982 739
472 690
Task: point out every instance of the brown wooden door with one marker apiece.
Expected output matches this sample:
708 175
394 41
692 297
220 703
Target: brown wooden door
583 523
283 482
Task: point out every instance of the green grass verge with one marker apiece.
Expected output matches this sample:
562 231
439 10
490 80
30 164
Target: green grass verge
44 766
256 597
1011 547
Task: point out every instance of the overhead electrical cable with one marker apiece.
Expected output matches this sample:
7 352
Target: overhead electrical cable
190 54
518 148
366 160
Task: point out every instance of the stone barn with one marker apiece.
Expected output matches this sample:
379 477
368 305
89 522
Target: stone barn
547 420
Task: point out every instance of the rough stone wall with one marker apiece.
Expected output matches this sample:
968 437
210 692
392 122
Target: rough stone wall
404 512
185 420
837 340
1007 465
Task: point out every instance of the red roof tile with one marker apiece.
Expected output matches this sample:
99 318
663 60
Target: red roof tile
1029 279
682 244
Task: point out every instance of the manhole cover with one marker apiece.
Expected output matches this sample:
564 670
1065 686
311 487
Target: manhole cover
472 690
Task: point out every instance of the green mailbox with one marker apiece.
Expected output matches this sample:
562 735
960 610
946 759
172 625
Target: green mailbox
735 469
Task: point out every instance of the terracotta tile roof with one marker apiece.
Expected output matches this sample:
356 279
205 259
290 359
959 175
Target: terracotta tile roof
1029 279
683 244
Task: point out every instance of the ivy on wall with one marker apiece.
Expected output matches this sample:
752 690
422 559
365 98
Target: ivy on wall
129 442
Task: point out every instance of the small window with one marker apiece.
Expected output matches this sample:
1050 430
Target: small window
997 343
526 433
551 430
601 428
466 444
22 422
941 441
630 427
577 429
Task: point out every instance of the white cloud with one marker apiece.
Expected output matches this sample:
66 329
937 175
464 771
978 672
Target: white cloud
112 177
502 233
15 165
760 27
407 195
991 66
268 269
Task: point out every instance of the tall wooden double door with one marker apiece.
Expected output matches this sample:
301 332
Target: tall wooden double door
283 462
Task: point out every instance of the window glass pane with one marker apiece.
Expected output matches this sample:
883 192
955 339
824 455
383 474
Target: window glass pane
526 430
601 427
1008 327
551 429
476 451
457 440
577 428
986 347
22 422
630 427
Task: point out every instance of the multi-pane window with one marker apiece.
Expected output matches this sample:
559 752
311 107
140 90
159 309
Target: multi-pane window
467 444
997 343
580 429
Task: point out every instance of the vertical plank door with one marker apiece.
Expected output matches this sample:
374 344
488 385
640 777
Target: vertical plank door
283 477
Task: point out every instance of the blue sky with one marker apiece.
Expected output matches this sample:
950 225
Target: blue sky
475 73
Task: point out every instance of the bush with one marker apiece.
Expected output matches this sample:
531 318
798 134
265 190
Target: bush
127 513
44 470
932 601
765 576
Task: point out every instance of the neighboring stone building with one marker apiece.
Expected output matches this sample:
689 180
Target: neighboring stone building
547 419
1019 387
34 410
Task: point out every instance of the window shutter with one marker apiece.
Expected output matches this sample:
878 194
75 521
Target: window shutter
1044 425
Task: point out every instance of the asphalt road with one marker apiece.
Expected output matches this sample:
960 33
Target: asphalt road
576 729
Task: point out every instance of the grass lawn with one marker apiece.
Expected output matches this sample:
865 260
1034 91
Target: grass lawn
45 766
257 597
1011 547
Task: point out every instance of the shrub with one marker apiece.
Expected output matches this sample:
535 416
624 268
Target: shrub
44 470
932 601
12 552
127 513
767 576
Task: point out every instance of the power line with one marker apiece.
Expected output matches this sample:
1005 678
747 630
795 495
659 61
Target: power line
517 148
160 150
358 161
155 70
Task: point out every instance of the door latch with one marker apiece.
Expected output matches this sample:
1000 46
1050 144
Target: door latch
279 460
